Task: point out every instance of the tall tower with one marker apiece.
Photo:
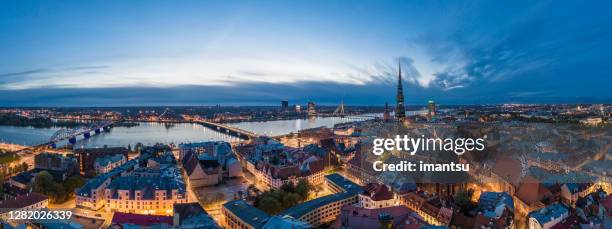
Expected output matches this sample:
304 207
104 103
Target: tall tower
311 109
386 116
400 112
431 114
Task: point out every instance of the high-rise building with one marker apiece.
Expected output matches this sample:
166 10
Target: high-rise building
284 105
298 108
311 109
431 114
400 112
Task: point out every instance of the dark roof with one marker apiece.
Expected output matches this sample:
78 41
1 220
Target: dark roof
350 189
58 176
247 213
330 144
209 164
190 162
346 184
21 201
308 206
187 157
147 185
13 190
142 220
187 210
23 177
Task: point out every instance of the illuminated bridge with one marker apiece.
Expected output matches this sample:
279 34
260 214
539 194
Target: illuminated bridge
71 134
227 129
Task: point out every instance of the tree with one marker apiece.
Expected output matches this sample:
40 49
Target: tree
290 199
24 166
463 199
269 205
72 183
288 187
288 195
43 183
303 189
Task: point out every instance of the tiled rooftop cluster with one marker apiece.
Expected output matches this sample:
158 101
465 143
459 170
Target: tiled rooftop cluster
166 179
282 162
94 183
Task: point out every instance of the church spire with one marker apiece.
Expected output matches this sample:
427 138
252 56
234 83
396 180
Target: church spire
400 112
399 67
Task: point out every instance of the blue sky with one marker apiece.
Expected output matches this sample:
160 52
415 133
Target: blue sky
108 53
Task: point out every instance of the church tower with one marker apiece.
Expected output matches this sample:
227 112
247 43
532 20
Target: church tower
400 112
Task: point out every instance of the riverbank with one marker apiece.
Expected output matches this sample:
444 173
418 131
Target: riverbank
17 120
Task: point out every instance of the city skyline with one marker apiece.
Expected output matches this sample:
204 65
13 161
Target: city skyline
238 53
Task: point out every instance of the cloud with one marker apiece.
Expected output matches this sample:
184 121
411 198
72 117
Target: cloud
541 48
44 76
322 93
87 67
22 73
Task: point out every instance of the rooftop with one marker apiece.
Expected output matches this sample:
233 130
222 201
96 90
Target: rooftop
97 181
277 222
308 206
346 184
148 185
249 214
493 204
357 217
21 201
23 177
193 214
549 213
104 161
142 220
378 192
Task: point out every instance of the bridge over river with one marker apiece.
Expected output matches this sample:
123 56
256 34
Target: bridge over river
71 135
227 129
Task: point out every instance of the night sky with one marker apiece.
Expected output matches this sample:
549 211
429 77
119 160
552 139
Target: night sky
123 53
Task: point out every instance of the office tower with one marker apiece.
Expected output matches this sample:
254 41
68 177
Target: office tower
431 114
284 105
311 109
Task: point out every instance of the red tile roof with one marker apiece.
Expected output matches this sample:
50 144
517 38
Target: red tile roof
378 192
607 203
21 201
531 190
357 217
142 220
509 169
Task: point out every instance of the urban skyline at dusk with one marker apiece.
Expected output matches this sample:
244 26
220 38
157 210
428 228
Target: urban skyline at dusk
237 53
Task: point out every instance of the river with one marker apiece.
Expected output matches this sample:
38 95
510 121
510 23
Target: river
150 133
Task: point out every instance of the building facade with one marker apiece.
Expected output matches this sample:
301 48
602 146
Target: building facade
377 196
154 195
107 163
